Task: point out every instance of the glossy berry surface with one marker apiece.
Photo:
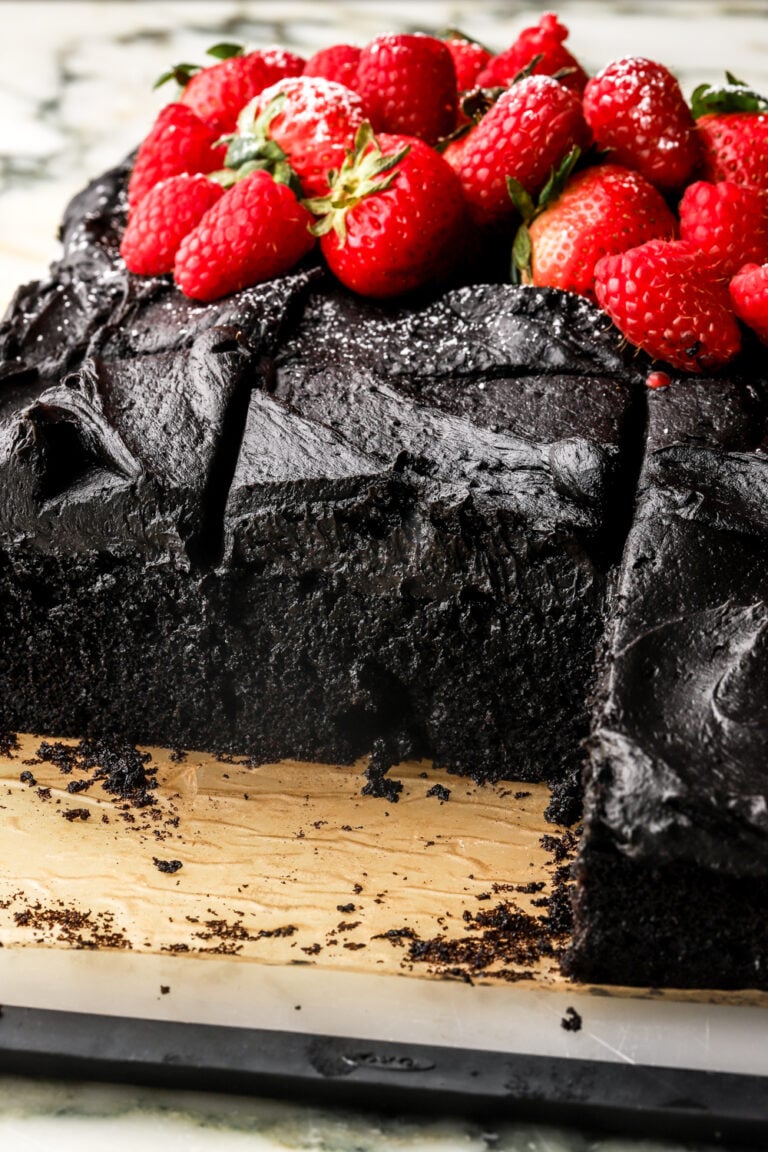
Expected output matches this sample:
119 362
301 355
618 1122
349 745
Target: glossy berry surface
664 298
638 113
163 218
527 132
178 142
602 211
545 40
256 231
408 86
220 92
749 295
727 221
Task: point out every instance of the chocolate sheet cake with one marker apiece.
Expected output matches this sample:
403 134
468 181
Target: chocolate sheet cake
672 878
294 524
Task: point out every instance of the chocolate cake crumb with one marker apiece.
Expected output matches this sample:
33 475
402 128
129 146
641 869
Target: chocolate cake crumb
118 766
440 791
26 777
77 814
352 946
520 795
379 785
169 866
164 989
79 785
44 793
345 907
312 949
571 1022
565 805
9 743
559 847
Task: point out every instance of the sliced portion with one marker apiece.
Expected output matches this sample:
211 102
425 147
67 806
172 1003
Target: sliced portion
420 532
672 877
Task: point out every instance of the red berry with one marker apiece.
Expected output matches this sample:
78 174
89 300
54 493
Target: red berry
601 211
727 221
219 93
469 59
527 132
256 231
665 299
315 127
749 296
734 146
655 380
178 141
391 227
408 86
163 218
337 63
545 39
636 110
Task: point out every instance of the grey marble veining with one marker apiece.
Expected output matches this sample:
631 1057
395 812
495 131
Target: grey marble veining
86 1117
76 76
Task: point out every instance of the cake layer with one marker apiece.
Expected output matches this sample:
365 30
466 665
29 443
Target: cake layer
677 790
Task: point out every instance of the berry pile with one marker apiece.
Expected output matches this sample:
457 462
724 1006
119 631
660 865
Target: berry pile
414 160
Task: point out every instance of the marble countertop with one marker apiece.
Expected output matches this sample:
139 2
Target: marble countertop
75 96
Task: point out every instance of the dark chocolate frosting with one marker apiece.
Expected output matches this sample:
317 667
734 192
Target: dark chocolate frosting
680 749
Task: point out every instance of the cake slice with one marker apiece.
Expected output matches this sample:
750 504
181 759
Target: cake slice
421 530
672 876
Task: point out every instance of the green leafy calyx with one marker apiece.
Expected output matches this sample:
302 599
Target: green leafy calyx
225 50
252 149
365 171
183 73
733 96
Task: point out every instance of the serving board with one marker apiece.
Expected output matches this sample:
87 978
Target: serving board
279 903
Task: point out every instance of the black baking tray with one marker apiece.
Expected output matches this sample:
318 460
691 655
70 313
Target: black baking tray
720 1108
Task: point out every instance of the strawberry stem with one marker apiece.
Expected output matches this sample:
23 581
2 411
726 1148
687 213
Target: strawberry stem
251 148
733 96
365 170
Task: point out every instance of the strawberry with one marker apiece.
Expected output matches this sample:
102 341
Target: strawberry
601 211
311 120
527 132
218 93
178 141
637 112
163 218
469 58
665 299
732 126
408 86
395 216
734 146
339 63
540 49
256 231
727 221
749 296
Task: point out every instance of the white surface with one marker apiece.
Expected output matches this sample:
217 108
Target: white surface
514 1019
